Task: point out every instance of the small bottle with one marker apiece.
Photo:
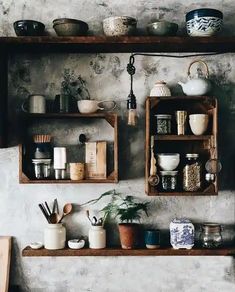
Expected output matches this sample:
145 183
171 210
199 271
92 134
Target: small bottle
192 173
97 237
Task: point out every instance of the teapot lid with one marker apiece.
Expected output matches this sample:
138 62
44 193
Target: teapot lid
181 220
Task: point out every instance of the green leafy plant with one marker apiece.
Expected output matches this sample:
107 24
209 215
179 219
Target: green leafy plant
127 209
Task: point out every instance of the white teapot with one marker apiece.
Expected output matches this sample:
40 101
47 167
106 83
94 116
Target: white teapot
199 85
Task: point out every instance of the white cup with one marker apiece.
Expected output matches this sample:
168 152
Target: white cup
198 123
36 104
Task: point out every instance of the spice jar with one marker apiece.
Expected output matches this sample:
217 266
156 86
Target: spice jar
163 124
192 173
211 236
169 180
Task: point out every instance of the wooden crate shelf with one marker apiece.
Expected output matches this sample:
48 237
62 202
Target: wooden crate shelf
25 173
205 145
162 251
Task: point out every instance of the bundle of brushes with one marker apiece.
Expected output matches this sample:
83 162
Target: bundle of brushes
42 138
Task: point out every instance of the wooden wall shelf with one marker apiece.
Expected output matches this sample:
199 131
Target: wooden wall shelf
122 44
163 251
26 175
205 145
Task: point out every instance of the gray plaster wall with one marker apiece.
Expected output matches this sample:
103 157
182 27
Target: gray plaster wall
107 79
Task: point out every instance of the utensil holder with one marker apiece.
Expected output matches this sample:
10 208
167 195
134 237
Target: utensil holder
77 171
54 236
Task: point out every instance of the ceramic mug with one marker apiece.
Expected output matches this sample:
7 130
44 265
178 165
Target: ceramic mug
35 104
198 123
88 106
152 238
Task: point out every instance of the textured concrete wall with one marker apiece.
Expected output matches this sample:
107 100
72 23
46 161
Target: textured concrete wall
107 79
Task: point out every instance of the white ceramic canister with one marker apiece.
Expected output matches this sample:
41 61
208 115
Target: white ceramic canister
182 233
97 237
160 89
54 236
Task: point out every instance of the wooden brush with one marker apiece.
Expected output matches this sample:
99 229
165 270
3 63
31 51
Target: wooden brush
42 138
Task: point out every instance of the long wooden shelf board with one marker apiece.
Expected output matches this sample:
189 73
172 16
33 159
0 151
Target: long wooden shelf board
66 181
67 115
183 194
126 44
163 251
182 137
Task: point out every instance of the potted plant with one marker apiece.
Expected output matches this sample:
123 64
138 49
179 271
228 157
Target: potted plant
128 210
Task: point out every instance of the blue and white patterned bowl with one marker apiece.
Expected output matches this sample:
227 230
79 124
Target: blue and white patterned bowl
204 22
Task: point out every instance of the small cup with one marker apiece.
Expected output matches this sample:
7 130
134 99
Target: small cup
152 238
198 123
77 171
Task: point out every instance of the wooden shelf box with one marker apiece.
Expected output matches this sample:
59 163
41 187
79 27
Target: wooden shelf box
205 145
65 130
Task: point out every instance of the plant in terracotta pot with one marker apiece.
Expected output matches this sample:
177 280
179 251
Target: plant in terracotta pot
129 211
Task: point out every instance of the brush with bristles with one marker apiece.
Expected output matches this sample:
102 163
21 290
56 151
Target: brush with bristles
42 138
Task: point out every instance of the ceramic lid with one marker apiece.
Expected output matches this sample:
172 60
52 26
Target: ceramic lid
181 220
160 82
192 155
163 116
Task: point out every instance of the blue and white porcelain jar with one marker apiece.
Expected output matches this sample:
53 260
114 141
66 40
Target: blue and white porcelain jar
182 233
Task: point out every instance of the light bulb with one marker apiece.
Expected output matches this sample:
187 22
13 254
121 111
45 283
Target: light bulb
132 117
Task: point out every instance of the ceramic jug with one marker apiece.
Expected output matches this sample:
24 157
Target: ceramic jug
198 85
160 89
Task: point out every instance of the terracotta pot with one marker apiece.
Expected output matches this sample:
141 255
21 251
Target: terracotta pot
128 235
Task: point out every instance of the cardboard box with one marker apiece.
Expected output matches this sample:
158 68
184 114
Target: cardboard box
96 158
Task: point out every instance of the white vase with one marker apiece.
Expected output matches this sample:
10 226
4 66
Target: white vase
182 233
97 237
160 89
54 236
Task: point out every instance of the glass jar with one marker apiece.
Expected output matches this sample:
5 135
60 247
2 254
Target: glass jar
169 180
97 237
211 236
55 236
163 124
192 173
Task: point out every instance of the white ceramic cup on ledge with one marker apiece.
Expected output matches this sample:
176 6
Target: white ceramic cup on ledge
198 123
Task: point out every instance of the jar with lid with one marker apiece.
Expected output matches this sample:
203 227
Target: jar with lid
211 235
192 173
163 124
169 180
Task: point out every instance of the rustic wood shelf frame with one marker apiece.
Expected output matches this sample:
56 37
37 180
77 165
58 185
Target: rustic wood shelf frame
205 143
111 119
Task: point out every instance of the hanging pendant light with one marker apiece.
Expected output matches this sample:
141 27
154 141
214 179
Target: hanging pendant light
131 101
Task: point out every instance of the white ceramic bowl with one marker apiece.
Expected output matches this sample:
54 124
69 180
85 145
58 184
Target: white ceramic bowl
198 123
119 25
76 243
168 161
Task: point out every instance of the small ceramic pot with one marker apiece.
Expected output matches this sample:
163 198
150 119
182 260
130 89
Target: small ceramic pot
70 27
168 161
29 28
162 28
152 238
97 237
182 233
198 123
119 25
55 236
160 89
204 22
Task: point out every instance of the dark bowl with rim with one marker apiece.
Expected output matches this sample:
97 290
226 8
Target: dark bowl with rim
70 27
29 28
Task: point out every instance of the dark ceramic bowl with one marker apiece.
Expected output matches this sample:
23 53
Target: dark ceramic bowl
29 28
162 28
204 22
70 27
